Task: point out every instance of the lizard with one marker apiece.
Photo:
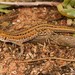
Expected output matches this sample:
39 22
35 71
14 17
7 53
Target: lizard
31 33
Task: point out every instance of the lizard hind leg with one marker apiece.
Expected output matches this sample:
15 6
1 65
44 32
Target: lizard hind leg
21 45
21 50
45 35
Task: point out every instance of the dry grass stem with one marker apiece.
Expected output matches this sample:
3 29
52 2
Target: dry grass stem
47 58
31 3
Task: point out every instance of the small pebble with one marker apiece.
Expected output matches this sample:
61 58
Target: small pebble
69 22
0 49
14 72
18 21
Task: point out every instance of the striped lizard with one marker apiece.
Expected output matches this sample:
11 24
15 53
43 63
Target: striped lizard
31 33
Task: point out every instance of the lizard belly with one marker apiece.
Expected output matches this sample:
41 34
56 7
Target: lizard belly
18 39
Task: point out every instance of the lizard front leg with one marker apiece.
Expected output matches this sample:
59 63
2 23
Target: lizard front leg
21 50
21 45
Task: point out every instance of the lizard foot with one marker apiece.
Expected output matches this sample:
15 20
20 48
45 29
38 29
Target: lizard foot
21 51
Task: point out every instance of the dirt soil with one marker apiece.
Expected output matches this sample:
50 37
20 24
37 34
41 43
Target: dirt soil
46 58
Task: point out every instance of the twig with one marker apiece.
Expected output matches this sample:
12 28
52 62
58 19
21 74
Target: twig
47 58
31 3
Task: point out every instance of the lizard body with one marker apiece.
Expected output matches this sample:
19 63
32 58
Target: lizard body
31 33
